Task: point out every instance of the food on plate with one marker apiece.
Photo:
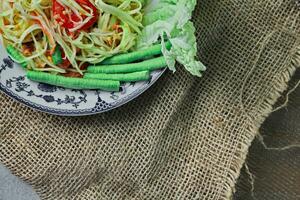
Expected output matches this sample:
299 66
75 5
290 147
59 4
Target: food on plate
98 44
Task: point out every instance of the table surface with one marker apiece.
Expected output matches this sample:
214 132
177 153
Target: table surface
12 188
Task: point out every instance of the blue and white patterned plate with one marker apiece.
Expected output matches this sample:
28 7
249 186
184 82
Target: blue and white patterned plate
61 101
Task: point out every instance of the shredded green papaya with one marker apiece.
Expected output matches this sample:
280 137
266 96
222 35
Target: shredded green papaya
86 31
63 37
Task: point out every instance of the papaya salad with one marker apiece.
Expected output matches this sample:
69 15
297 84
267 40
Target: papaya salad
94 44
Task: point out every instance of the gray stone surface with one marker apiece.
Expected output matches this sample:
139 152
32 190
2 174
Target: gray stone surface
12 188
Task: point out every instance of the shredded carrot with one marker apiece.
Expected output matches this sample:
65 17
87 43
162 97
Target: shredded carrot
27 49
47 33
6 22
117 28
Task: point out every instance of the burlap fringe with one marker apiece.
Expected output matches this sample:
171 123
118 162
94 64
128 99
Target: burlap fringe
281 84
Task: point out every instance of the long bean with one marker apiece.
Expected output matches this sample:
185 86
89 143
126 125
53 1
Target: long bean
73 83
137 55
16 56
129 77
148 65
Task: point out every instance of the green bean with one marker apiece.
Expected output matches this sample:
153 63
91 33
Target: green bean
16 56
148 65
130 77
73 83
137 55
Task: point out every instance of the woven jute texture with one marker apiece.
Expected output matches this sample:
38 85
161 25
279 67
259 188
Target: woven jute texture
271 170
185 138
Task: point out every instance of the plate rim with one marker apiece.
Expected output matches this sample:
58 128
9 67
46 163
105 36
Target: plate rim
88 112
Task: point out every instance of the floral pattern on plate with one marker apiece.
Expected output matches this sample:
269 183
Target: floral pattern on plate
61 101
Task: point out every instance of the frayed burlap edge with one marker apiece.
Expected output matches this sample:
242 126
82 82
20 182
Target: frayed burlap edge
276 91
281 84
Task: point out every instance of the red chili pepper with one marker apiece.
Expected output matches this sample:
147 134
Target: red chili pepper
67 20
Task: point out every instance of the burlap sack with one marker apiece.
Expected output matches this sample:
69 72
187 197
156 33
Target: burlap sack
185 138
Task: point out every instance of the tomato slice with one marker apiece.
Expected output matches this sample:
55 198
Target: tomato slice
67 19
